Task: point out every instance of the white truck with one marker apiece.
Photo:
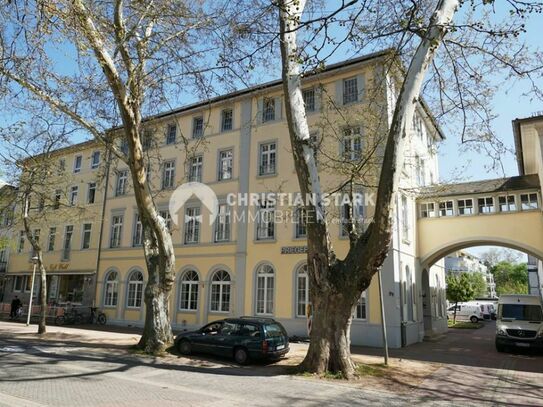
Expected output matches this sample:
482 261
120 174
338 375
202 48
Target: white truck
519 322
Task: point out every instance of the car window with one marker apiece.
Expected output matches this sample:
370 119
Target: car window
212 328
229 329
274 330
250 330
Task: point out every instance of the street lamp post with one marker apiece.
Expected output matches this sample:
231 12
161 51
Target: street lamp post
34 261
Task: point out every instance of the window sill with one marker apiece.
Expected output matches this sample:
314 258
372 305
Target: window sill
272 240
267 175
188 311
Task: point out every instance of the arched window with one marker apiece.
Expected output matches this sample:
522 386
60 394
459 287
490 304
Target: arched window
188 296
409 293
135 290
265 278
220 291
302 291
111 290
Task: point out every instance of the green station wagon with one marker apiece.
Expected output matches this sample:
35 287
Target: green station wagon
242 338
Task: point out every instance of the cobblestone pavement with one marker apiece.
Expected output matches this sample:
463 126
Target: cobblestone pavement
76 368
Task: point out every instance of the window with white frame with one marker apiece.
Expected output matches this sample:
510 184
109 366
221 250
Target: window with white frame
300 222
350 215
188 293
111 289
165 214
352 143
51 239
225 164
171 133
77 163
74 191
465 206
220 292
198 127
222 224
168 175
87 233
95 160
268 158
507 203
265 221
486 204
428 210
193 220
350 90
446 208
195 168
227 116
123 146
302 291
91 192
309 99
361 312
116 231
137 237
421 171
67 246
406 224
268 109
135 290
147 141
528 201
122 179
265 283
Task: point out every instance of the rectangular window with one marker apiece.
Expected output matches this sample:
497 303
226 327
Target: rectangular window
21 245
168 175
222 224
198 127
167 218
195 168
446 208
309 99
137 238
61 166
358 213
95 160
352 144
77 163
265 218
225 165
361 311
406 224
350 90
147 141
268 159
86 241
302 294
427 210
19 283
41 205
51 239
123 146
268 109
507 203
227 120
67 245
91 193
465 206
122 180
3 257
486 205
116 231
192 225
58 194
300 223
36 236
74 191
528 201
171 134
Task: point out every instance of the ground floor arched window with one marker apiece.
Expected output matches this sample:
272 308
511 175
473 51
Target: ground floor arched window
188 295
302 291
111 294
221 285
265 284
135 290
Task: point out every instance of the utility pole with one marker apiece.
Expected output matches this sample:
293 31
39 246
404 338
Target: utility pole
383 319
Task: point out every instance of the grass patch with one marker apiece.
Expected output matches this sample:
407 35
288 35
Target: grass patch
464 324
136 350
361 370
371 370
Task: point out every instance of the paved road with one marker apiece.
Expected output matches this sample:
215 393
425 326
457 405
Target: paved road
71 373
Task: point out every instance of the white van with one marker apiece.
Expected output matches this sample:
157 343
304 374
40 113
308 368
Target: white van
466 312
519 322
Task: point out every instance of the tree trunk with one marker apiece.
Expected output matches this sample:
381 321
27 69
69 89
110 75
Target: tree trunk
42 323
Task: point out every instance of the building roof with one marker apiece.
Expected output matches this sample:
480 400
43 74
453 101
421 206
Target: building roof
521 182
517 134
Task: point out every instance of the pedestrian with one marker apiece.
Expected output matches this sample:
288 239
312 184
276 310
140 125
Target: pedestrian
15 305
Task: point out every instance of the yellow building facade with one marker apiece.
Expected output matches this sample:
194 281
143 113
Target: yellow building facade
244 264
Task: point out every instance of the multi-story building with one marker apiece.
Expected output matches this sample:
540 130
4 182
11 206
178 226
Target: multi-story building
252 259
7 203
464 262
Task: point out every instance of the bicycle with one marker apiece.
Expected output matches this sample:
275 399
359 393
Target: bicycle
69 317
97 316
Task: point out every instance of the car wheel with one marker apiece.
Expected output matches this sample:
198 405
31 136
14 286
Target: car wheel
184 347
474 319
241 356
102 319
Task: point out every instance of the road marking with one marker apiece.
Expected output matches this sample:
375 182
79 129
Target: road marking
13 401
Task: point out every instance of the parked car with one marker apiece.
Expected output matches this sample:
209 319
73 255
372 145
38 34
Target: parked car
519 322
244 339
466 312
